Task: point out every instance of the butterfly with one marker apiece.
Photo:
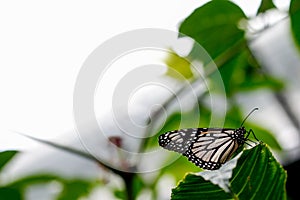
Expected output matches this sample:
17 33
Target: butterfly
207 148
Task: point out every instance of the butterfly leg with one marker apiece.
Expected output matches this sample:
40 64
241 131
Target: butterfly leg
251 131
246 138
248 143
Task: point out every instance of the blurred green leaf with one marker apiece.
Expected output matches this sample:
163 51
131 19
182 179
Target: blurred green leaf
178 67
138 185
74 189
257 176
228 71
295 18
242 73
238 68
265 5
180 167
34 179
234 117
260 81
215 26
264 135
7 193
172 123
255 76
119 194
5 157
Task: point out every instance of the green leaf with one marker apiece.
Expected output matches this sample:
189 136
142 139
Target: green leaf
34 179
295 18
257 175
72 189
215 26
5 157
263 178
228 71
242 73
254 75
218 182
17 189
196 187
75 189
178 67
7 193
119 194
138 185
259 81
265 5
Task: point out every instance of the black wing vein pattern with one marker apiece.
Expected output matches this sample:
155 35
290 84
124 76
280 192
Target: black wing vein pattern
207 148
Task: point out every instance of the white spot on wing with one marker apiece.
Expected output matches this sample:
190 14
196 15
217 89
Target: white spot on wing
179 140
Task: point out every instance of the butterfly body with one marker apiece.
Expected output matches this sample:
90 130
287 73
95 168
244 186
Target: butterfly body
207 148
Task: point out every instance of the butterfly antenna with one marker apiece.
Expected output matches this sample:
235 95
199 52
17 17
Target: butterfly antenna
254 109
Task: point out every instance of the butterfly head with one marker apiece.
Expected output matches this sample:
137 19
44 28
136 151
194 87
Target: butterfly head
239 135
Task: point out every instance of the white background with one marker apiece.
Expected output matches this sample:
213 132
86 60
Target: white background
43 45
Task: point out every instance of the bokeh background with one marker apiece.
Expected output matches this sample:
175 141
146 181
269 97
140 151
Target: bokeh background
43 48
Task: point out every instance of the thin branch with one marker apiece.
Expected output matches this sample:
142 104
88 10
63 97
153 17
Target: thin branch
72 151
282 100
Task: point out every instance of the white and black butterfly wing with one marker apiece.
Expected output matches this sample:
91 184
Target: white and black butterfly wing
212 148
178 140
206 148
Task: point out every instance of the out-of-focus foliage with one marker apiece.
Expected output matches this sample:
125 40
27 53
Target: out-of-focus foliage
214 27
220 27
71 189
178 67
10 193
265 5
74 189
5 158
7 192
295 18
